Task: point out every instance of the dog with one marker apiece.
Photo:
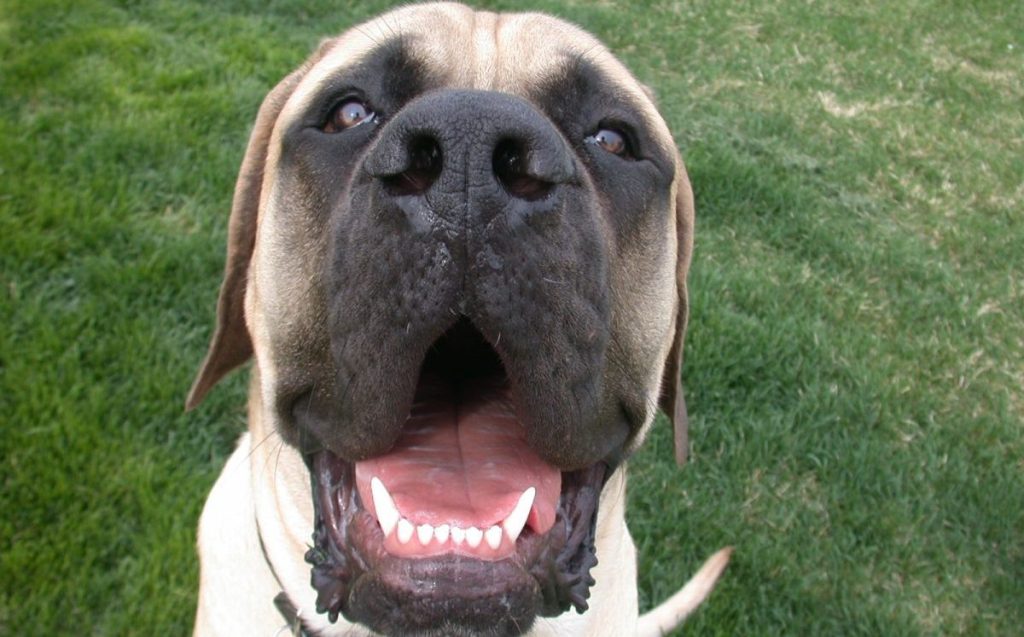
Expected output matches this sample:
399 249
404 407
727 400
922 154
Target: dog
457 254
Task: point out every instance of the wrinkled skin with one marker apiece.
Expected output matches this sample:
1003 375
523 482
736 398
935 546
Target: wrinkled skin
526 192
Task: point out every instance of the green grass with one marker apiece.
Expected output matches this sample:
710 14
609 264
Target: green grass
855 361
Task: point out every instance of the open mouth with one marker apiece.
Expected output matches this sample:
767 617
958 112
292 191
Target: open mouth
461 524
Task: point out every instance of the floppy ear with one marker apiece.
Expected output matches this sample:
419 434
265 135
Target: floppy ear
231 345
672 401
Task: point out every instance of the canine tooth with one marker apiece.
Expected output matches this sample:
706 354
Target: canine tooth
458 535
425 533
441 533
387 513
473 537
405 531
516 520
493 537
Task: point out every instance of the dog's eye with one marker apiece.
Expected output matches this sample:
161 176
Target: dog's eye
610 140
347 114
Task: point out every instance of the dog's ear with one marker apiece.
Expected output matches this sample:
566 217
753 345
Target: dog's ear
672 401
231 345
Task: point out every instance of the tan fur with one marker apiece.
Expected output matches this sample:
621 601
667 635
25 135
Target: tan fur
264 490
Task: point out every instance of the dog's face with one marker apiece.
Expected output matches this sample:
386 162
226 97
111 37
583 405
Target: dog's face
461 242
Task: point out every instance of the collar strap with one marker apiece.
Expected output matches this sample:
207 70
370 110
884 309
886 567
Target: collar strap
291 616
284 605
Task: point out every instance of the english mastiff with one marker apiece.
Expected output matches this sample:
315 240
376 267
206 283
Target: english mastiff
457 255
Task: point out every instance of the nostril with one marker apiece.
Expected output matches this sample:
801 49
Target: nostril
424 167
510 167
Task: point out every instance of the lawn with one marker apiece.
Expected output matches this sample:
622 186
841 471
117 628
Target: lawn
855 361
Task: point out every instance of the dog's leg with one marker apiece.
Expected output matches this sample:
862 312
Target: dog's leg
664 618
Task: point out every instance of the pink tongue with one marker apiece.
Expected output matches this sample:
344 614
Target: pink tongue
462 460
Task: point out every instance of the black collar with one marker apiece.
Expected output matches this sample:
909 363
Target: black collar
291 615
282 602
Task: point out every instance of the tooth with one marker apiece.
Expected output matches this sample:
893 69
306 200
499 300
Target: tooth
405 531
425 533
441 533
493 537
516 520
458 535
473 537
387 513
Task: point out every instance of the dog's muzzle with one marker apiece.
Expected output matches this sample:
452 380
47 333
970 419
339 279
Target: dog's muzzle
459 447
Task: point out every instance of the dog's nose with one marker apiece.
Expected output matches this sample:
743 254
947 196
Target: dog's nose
491 151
